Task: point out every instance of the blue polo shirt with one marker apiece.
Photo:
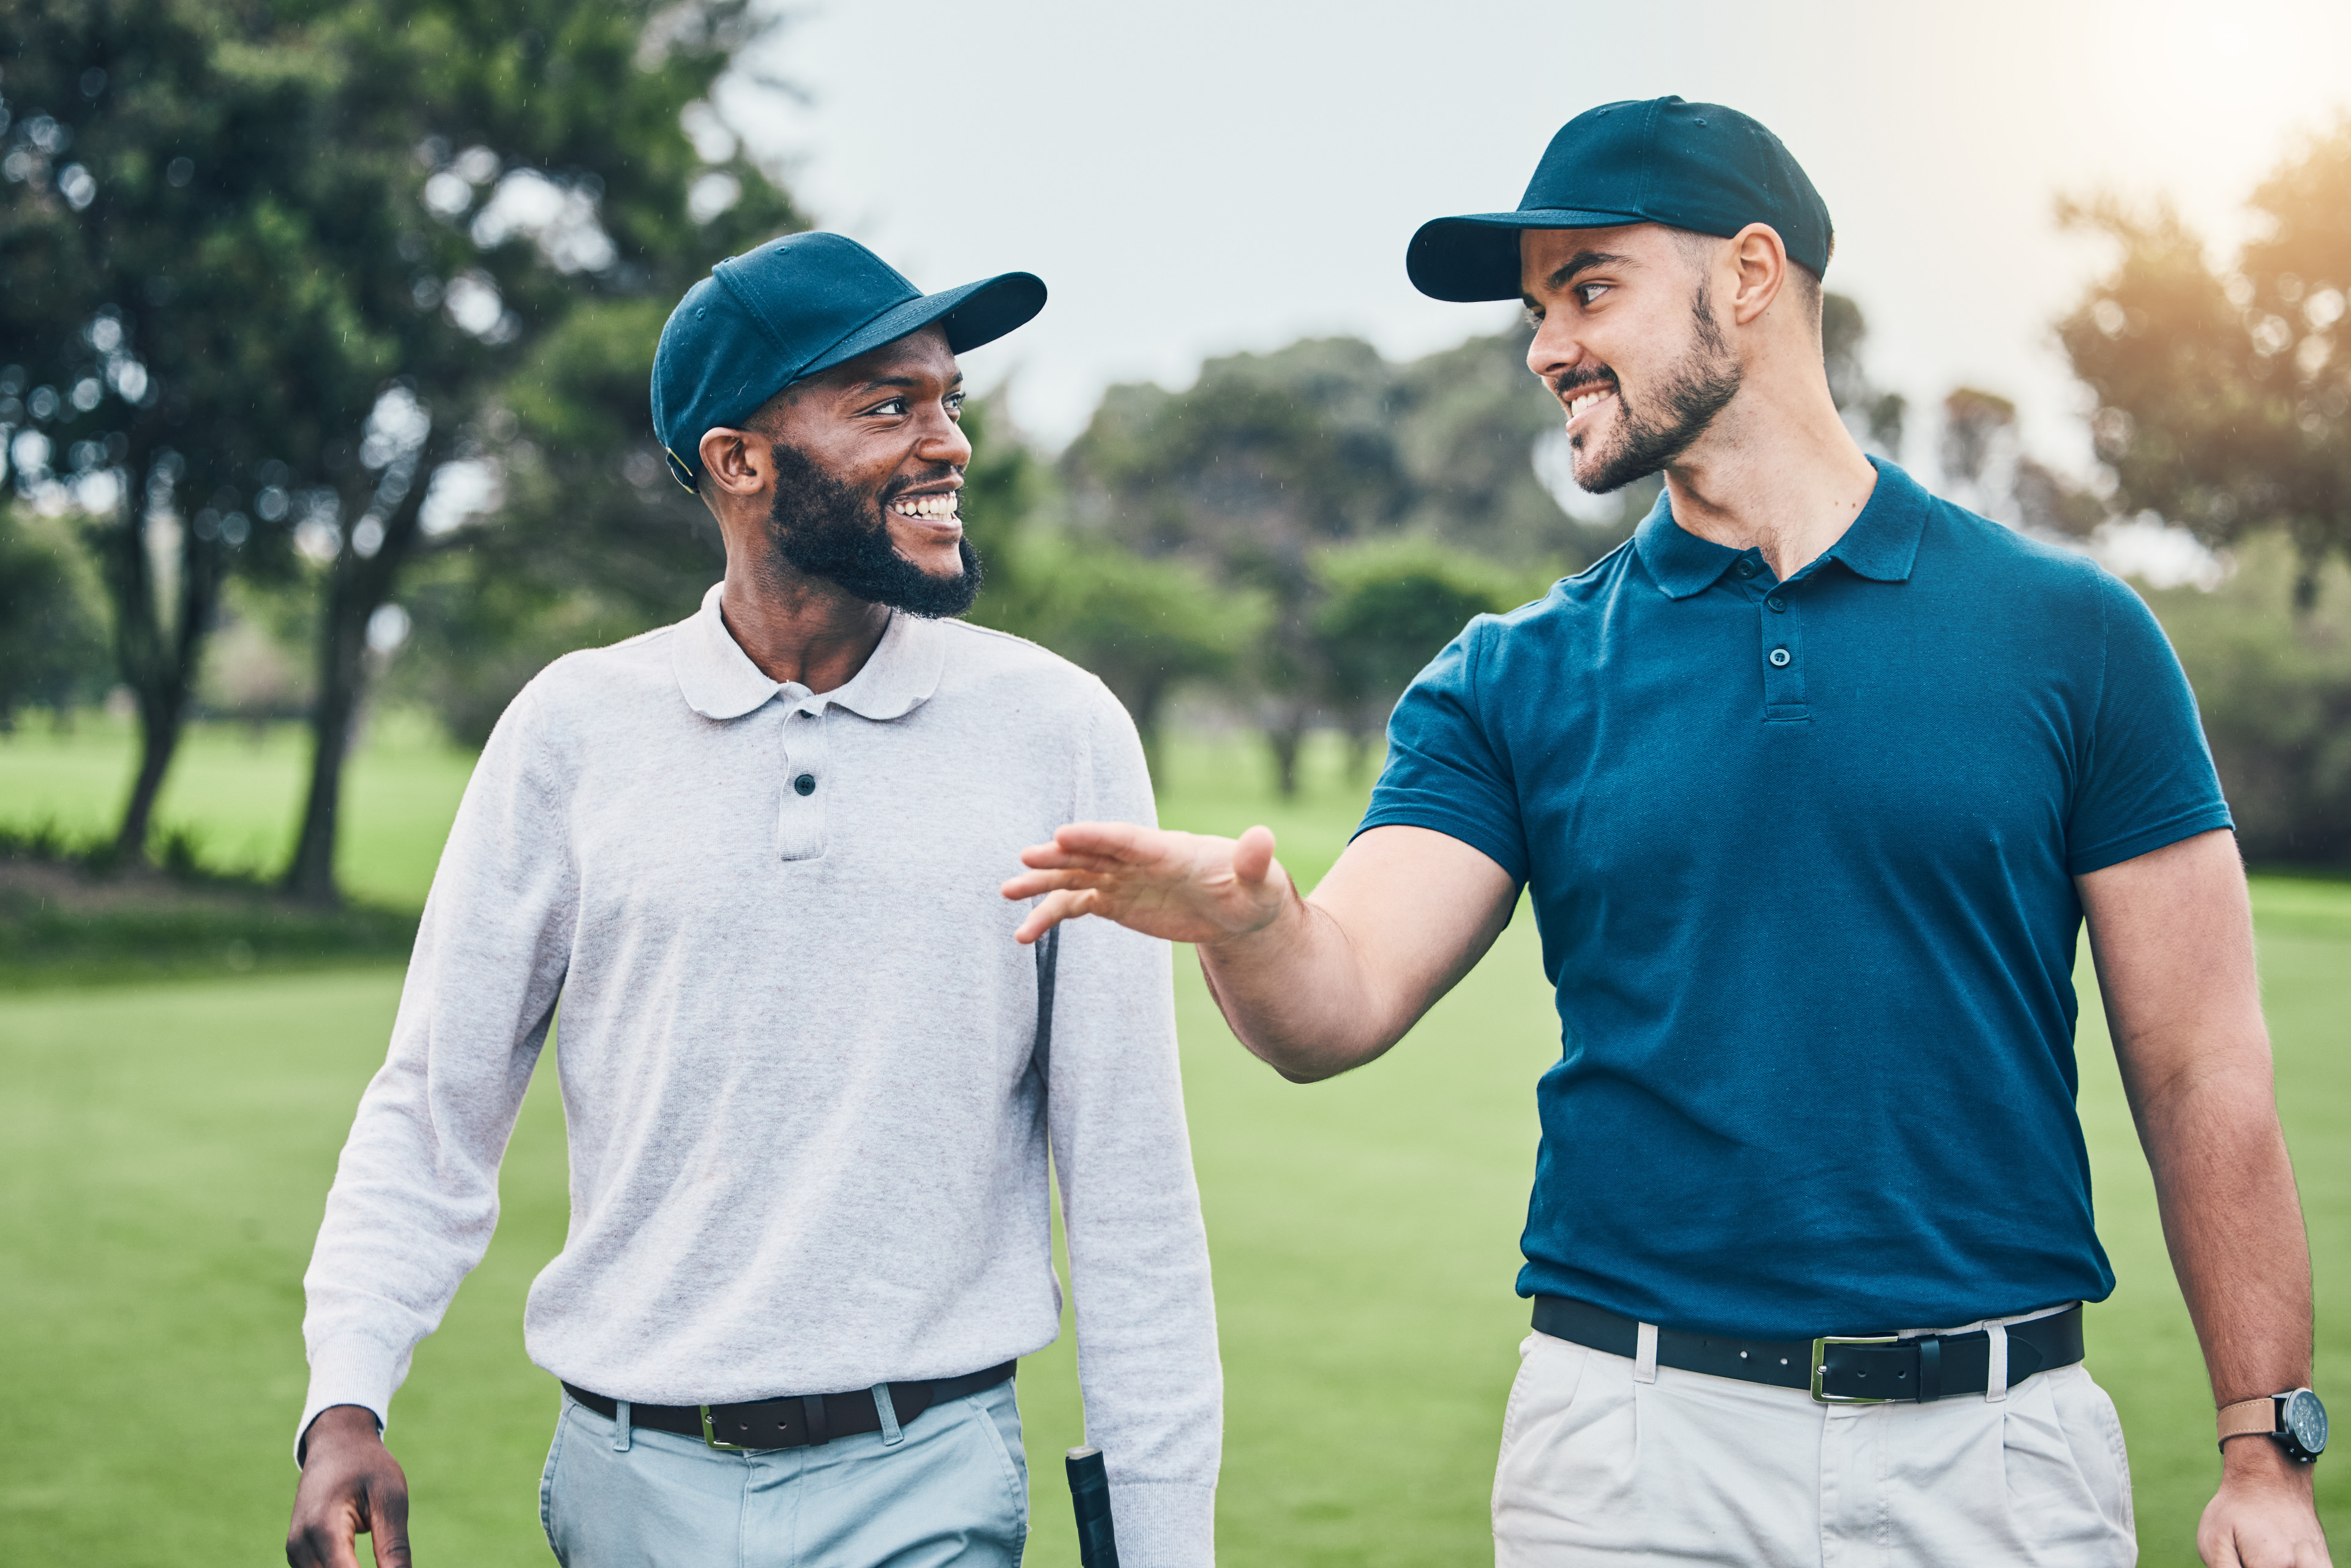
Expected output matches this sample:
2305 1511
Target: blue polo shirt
1802 854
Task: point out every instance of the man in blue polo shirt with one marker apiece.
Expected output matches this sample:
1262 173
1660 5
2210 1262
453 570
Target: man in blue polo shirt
1813 785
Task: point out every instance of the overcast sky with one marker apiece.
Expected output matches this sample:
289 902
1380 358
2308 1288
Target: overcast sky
1194 179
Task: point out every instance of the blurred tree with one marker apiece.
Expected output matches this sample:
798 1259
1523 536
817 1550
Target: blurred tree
53 651
1978 449
1391 605
1470 421
2274 686
2224 398
1144 626
1264 459
309 247
1875 413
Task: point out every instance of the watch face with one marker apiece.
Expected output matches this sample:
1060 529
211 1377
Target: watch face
2305 1422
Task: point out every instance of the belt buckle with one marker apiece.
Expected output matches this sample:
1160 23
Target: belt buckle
710 1433
1821 1366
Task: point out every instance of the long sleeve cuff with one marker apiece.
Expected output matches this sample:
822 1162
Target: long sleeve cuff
1163 1524
353 1370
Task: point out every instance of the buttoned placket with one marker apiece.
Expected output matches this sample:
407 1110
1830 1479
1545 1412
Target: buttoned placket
1780 616
805 781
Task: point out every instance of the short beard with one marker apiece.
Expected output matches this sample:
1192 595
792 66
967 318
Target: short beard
1698 388
835 531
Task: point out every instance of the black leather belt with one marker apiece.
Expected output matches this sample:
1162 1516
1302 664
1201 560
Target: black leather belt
795 1421
1835 1369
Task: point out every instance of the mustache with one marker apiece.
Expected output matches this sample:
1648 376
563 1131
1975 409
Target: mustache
905 482
1568 383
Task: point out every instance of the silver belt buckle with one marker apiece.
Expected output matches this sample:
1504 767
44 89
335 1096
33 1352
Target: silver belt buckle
1821 1368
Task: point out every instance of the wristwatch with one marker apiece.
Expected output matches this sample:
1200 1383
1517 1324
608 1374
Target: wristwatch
2295 1419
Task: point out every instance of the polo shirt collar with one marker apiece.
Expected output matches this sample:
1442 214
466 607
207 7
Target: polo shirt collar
1880 544
719 681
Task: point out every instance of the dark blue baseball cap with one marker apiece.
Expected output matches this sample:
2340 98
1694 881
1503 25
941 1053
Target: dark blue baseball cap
793 307
1696 166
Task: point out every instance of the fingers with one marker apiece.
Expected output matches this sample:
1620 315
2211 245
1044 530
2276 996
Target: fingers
387 1513
1253 854
1051 910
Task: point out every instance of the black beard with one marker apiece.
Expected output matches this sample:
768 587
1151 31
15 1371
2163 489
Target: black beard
1698 388
838 532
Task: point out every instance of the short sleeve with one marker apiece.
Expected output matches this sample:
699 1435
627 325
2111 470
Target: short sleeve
2146 779
1446 770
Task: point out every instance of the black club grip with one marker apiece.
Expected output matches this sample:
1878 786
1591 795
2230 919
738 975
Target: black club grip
1090 1495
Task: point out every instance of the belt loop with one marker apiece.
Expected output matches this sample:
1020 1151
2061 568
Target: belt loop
620 1436
891 1435
1996 1365
1931 1369
812 1405
1645 1354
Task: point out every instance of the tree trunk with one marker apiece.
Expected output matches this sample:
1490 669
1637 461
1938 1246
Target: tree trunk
359 586
157 662
1286 735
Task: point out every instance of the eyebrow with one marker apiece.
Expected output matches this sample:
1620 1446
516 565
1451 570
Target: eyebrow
874 383
1582 261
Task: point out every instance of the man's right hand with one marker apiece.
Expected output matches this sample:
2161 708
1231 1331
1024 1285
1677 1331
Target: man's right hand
351 1487
1182 887
1314 986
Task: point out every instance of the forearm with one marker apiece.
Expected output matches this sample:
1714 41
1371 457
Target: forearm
1299 995
2232 1221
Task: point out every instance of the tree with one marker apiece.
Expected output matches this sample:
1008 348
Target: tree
1266 458
175 339
2224 397
52 647
1391 605
1145 626
527 162
302 250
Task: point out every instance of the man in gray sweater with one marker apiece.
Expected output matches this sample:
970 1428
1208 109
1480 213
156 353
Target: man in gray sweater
809 1079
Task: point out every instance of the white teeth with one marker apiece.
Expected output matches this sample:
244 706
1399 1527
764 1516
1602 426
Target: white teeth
927 506
1578 404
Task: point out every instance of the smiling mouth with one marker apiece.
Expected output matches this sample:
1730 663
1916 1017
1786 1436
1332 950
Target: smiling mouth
1582 402
939 508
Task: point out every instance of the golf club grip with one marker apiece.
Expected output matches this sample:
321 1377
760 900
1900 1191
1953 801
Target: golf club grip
1090 1495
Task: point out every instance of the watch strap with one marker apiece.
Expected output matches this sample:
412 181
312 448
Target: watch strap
2250 1418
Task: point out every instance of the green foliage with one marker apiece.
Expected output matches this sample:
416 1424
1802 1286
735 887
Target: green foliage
277 218
2225 397
53 652
2274 686
1389 606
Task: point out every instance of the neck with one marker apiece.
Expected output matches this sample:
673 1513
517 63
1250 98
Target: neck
1777 472
796 627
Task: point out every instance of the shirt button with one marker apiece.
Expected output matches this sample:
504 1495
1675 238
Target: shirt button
1780 659
806 782
1747 569
1775 605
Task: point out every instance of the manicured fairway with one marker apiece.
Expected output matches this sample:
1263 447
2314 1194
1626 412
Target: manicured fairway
163 1151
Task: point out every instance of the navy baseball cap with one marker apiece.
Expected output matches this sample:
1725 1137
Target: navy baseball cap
1696 166
793 307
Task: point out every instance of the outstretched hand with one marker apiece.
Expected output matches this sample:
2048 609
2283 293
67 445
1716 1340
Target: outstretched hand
1183 887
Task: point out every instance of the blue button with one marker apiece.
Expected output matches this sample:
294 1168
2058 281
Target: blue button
1780 659
1775 605
806 782
1747 569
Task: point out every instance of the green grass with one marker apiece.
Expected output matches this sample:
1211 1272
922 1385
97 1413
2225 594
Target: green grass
164 1150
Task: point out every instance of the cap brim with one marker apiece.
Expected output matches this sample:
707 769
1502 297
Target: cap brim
974 314
1476 257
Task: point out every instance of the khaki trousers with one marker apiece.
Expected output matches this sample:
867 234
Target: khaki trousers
1597 1466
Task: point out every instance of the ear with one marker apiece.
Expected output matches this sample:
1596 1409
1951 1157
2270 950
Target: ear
1759 261
737 462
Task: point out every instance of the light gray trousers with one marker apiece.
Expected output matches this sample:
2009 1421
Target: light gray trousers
1598 1466
952 1489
